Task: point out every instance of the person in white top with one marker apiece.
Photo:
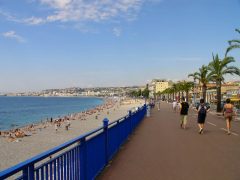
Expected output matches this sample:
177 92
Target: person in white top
174 105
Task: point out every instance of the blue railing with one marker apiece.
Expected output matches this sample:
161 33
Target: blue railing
81 158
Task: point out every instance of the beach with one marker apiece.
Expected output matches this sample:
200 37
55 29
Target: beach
21 144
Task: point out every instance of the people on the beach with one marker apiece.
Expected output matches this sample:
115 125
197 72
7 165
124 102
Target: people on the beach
56 126
184 106
68 123
202 113
228 114
65 121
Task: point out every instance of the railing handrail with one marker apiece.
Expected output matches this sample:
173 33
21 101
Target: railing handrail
19 167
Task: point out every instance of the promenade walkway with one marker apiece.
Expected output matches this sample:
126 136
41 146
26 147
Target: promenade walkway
160 150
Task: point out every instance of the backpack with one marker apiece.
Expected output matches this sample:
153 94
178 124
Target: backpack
203 111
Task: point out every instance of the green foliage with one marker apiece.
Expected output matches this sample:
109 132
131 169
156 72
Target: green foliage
145 93
219 68
233 44
136 93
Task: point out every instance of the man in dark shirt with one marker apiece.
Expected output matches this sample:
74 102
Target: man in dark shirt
183 113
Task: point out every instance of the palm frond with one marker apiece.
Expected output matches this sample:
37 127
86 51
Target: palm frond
227 60
238 30
231 70
234 41
231 48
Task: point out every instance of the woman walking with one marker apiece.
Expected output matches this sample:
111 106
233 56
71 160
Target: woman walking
228 114
202 113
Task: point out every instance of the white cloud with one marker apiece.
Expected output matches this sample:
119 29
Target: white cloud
13 35
34 21
117 31
82 10
91 10
94 10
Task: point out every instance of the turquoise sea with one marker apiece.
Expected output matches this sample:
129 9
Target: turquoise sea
19 111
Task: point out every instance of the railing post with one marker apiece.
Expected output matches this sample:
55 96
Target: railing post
145 109
83 159
105 127
28 172
131 121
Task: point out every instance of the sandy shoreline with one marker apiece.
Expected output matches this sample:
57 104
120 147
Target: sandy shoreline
44 136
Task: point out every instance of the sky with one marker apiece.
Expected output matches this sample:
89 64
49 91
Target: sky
47 44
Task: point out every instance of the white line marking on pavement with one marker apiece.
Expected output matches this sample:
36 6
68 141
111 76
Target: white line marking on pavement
235 134
212 124
231 132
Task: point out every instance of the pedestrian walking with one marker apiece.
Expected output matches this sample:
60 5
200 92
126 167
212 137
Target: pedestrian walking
158 104
202 114
184 106
174 105
228 114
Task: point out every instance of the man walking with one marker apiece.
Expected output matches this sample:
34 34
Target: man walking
158 104
184 106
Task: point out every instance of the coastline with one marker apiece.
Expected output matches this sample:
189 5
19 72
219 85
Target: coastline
42 115
44 136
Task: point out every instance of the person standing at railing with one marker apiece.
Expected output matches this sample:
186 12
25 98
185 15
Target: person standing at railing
184 106
228 113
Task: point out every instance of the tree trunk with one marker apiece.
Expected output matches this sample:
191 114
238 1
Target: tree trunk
204 91
219 96
187 96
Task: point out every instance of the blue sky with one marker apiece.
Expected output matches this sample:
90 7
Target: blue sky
85 43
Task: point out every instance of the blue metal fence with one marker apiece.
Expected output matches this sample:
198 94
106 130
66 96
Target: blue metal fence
81 158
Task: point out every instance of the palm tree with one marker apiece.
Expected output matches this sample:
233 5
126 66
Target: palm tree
233 44
218 69
167 92
186 87
203 77
179 89
174 90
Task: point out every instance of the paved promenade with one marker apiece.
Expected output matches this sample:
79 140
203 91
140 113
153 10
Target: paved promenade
160 150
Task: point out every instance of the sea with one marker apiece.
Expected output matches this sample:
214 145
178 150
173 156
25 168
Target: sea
20 111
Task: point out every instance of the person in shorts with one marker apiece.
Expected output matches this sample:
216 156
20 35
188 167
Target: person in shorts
228 114
202 114
184 106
